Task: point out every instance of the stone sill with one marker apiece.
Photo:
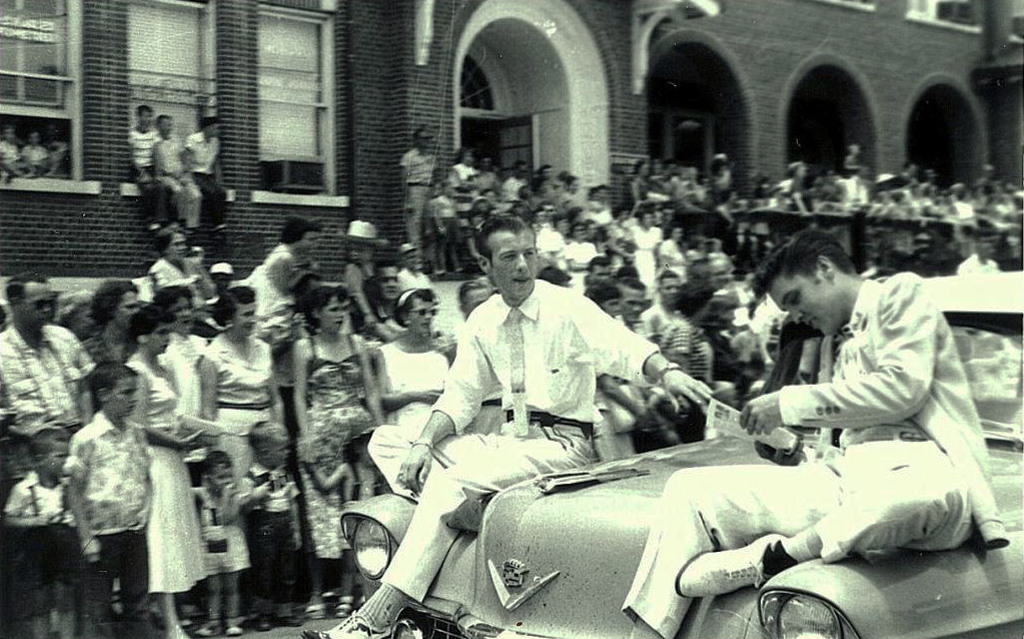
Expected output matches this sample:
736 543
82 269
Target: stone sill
849 4
943 24
52 185
291 199
131 189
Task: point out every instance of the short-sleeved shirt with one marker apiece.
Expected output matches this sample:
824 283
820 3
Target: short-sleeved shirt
112 467
239 381
419 167
42 386
29 498
204 152
142 145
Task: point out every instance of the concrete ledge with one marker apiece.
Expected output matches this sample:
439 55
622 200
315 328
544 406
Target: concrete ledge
53 185
943 24
291 199
849 4
131 189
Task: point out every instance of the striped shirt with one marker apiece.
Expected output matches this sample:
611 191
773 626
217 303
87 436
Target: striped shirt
142 147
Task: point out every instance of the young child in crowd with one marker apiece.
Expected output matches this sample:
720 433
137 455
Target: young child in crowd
270 493
226 551
442 211
46 554
110 494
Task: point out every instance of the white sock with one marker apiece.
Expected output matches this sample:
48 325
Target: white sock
382 608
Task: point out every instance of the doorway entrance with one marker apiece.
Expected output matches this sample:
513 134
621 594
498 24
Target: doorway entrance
504 140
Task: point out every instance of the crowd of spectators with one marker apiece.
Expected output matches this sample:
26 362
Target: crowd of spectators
245 407
905 221
38 154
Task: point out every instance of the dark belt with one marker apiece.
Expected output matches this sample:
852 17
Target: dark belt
548 420
417 184
496 401
237 406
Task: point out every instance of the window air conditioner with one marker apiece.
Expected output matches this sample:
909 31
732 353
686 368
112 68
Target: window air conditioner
293 176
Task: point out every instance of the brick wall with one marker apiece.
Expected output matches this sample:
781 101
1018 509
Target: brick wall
380 96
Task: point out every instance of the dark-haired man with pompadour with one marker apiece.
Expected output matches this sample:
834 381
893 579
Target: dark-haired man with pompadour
910 471
542 347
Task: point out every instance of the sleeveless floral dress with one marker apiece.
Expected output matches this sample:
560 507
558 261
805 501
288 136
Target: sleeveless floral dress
337 413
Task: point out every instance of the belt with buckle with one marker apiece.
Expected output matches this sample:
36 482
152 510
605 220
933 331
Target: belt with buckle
548 420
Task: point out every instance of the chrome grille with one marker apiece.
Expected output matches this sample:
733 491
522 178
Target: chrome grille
433 627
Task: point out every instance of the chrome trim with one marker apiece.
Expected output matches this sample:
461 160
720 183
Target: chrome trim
846 629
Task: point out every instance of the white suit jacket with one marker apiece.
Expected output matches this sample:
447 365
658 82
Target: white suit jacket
899 365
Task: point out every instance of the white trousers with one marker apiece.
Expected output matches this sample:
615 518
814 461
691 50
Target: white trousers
187 198
879 495
465 467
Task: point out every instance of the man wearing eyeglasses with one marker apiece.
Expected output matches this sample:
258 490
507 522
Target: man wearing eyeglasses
42 366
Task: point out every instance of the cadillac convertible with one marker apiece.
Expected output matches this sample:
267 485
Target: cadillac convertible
555 556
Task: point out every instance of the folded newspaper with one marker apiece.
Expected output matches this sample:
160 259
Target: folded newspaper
725 420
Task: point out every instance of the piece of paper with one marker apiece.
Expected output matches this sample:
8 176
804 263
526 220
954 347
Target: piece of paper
725 420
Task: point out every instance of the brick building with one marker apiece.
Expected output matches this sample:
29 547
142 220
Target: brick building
318 98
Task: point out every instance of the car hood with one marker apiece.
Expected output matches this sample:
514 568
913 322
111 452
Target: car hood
592 534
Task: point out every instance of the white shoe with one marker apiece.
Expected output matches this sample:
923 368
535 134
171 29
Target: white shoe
716 573
354 627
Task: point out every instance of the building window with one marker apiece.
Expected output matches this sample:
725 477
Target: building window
295 71
39 87
476 90
171 60
958 12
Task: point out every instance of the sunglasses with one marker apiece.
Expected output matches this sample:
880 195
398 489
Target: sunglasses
389 278
424 312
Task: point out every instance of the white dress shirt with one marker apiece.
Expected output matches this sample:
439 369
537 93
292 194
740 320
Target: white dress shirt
568 342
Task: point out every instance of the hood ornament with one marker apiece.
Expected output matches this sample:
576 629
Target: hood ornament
513 575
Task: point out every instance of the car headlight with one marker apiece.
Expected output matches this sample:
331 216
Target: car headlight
372 547
785 615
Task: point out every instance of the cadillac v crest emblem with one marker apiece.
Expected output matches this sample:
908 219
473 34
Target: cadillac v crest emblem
513 575
513 572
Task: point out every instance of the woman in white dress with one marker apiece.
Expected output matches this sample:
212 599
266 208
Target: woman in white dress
412 372
647 238
412 368
172 534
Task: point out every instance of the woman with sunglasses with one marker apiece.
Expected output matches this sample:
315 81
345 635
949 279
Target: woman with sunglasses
412 368
336 400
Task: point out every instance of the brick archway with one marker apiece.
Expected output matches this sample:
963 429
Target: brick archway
826 106
943 130
584 121
684 59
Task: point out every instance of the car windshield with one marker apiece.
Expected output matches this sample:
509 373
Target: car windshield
993 364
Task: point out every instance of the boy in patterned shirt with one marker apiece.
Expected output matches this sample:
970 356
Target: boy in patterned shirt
110 494
41 534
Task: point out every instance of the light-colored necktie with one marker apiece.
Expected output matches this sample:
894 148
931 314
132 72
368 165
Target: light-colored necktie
517 359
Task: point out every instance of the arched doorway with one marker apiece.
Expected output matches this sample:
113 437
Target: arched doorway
942 135
696 105
548 104
828 111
